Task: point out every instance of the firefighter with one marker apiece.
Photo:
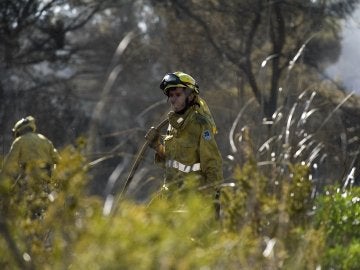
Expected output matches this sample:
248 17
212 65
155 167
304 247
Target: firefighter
188 150
31 154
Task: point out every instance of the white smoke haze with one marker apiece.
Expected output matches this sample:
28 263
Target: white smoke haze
347 69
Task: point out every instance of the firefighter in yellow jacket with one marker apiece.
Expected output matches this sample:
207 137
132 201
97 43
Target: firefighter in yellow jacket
31 154
188 150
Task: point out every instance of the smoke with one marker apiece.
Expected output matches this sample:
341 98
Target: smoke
347 69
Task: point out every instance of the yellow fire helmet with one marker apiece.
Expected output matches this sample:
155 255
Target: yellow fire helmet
178 79
27 122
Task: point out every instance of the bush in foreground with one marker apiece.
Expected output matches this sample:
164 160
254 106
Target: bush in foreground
266 223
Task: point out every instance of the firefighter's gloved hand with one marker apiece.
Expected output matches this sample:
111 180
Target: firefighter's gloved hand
153 137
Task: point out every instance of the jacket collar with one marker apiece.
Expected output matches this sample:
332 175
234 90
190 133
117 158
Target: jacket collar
177 120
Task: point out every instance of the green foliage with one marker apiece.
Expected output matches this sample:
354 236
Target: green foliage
267 201
165 235
299 193
343 257
339 217
339 214
275 208
264 224
42 217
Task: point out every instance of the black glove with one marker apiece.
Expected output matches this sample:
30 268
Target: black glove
153 137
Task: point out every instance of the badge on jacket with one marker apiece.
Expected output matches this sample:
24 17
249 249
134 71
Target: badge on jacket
207 135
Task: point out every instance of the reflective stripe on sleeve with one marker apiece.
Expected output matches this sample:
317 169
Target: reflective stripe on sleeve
182 167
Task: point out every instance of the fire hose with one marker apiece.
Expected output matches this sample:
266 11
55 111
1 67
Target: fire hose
138 159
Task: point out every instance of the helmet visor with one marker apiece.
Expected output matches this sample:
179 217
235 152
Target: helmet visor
20 125
170 79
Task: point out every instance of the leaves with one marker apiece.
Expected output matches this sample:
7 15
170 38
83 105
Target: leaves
262 224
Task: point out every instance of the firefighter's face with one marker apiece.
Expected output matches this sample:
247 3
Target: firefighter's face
177 98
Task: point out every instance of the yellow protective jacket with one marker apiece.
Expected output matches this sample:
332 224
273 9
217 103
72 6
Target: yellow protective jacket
31 150
191 149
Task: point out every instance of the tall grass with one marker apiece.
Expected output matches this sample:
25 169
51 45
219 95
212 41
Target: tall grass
288 202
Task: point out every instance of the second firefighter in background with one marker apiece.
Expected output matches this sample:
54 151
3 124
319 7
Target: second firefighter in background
31 154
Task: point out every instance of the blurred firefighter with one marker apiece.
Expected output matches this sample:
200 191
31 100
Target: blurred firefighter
31 154
188 150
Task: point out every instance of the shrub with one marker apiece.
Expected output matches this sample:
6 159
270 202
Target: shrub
264 224
338 215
